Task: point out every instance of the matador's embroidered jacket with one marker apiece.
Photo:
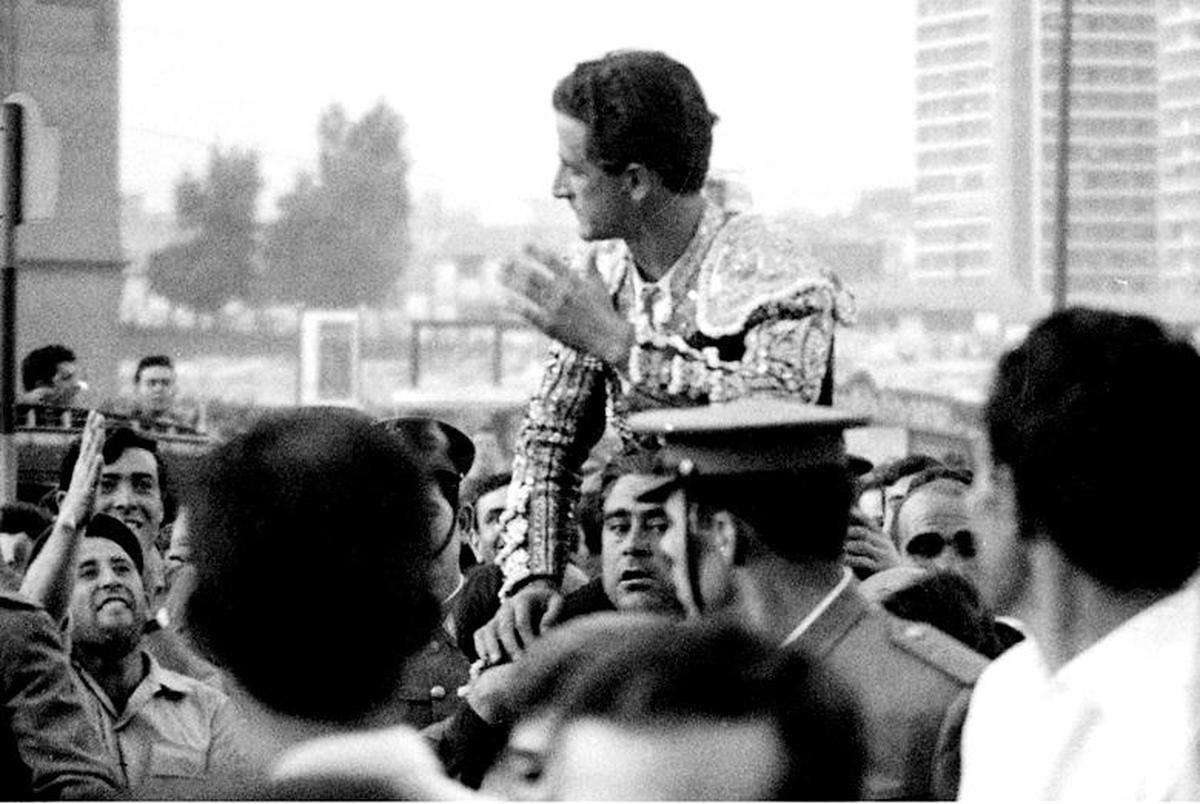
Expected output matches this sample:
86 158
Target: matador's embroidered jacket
744 310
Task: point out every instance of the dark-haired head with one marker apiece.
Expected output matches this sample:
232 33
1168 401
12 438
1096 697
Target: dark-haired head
772 502
39 367
23 517
654 679
641 107
1094 415
151 361
310 540
117 443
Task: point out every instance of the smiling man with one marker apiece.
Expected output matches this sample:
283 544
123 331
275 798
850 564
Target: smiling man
169 735
132 485
133 488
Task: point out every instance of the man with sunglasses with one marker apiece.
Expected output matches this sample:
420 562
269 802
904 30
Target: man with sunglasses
931 528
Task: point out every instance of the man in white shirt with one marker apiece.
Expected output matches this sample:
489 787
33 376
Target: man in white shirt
1085 542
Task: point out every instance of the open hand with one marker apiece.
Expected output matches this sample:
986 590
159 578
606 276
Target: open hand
571 306
76 505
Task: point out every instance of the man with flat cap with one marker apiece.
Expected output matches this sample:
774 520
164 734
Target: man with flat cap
759 503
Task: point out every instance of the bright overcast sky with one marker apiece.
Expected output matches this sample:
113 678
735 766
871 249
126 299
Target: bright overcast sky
815 96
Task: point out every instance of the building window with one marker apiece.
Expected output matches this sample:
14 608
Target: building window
953 157
950 132
955 80
930 7
948 107
954 28
954 54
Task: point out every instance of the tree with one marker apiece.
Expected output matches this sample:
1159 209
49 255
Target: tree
217 262
341 238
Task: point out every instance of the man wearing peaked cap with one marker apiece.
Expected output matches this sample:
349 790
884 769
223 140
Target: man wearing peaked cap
447 449
759 511
431 677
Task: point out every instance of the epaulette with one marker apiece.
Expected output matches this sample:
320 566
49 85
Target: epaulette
14 600
938 649
751 264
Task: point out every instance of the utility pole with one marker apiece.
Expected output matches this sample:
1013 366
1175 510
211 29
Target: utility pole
1063 184
14 170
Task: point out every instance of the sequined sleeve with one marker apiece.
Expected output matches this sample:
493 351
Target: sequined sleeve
787 350
565 418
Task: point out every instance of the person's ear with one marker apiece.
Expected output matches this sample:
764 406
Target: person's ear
725 536
1003 494
639 181
465 521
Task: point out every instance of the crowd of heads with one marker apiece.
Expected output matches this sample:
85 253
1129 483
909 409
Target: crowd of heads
335 529
324 549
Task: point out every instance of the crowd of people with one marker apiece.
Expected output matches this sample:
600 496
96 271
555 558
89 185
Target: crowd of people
52 381
336 607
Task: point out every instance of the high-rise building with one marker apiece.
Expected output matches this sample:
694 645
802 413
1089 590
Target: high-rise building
1179 149
987 119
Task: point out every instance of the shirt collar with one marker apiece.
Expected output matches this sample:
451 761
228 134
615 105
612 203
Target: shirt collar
819 609
682 270
1154 649
162 680
157 681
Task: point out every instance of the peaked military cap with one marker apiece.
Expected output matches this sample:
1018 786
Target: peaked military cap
443 447
752 434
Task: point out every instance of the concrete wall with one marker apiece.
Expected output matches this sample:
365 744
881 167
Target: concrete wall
64 55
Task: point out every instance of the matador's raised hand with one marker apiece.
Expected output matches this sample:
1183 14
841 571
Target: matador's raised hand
569 305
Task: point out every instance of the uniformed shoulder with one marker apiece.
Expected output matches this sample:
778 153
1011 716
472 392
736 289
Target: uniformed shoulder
767 237
937 649
754 262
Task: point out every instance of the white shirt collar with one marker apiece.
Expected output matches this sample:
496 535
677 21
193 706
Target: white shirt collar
1143 651
819 609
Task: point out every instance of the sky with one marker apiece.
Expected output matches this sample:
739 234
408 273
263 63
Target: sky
815 96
